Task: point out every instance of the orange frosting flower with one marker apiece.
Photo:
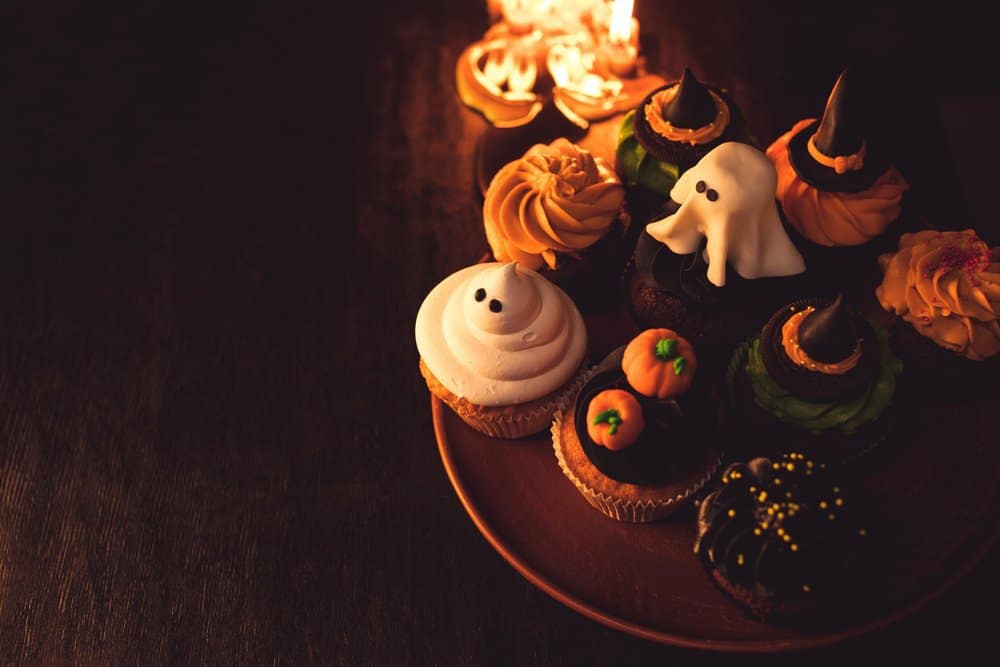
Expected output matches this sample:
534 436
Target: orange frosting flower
834 218
947 285
556 199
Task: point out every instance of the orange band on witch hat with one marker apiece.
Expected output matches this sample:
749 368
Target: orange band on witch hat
842 163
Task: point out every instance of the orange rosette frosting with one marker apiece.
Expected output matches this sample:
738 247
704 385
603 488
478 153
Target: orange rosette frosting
947 285
834 218
557 199
659 363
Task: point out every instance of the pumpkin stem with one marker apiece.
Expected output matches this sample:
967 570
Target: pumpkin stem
679 365
612 417
666 349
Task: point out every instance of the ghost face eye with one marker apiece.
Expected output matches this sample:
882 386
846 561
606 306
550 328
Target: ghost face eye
480 294
700 186
711 195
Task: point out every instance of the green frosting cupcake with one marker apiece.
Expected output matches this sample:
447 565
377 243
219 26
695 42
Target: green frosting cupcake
637 166
846 416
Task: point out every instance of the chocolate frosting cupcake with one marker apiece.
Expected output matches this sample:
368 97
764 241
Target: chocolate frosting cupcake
783 536
666 448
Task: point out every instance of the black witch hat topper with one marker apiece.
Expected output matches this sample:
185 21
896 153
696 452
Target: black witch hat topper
834 153
692 106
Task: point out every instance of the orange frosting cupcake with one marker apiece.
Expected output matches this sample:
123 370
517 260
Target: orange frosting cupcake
947 285
834 218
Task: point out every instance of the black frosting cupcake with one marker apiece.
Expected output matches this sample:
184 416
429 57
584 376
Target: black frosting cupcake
786 539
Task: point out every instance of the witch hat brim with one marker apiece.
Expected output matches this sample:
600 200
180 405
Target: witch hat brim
840 130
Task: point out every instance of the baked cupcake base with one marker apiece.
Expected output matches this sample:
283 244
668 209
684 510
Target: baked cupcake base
927 367
508 421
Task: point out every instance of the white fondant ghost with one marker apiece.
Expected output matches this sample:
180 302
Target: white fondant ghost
728 197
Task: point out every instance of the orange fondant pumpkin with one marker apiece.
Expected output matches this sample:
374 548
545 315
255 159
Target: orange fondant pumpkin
659 363
614 419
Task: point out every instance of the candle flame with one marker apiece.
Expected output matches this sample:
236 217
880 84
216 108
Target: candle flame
620 28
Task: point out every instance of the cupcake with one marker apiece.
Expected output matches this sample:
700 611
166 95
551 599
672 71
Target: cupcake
942 289
839 193
669 131
787 540
819 378
501 346
721 262
560 211
635 440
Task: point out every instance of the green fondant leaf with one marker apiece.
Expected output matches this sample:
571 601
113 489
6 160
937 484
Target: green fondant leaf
666 349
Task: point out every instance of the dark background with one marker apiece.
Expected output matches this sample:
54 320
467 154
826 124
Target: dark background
217 225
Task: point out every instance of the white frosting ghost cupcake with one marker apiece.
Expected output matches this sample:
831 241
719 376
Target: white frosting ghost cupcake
501 346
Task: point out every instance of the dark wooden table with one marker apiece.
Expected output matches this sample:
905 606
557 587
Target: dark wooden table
218 224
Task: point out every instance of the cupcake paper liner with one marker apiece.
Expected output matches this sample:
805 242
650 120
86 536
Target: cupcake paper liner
506 422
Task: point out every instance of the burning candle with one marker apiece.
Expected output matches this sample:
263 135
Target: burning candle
622 48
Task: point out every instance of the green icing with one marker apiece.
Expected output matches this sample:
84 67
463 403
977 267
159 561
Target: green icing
612 417
666 348
637 167
816 417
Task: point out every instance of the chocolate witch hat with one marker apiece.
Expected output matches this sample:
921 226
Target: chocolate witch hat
692 106
841 159
828 335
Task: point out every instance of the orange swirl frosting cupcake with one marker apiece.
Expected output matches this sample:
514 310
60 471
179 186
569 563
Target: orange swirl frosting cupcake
836 185
554 202
947 285
833 218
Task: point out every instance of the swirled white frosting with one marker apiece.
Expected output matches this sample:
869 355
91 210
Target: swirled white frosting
497 333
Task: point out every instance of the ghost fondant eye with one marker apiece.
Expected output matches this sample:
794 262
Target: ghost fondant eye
711 195
495 306
480 294
700 186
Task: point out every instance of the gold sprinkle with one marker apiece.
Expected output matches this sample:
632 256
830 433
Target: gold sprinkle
770 510
756 531
775 465
731 512
805 587
862 532
777 481
739 559
753 489
836 489
838 502
781 531
781 515
809 464
762 497
795 547
831 516
822 504
788 494
786 537
789 466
